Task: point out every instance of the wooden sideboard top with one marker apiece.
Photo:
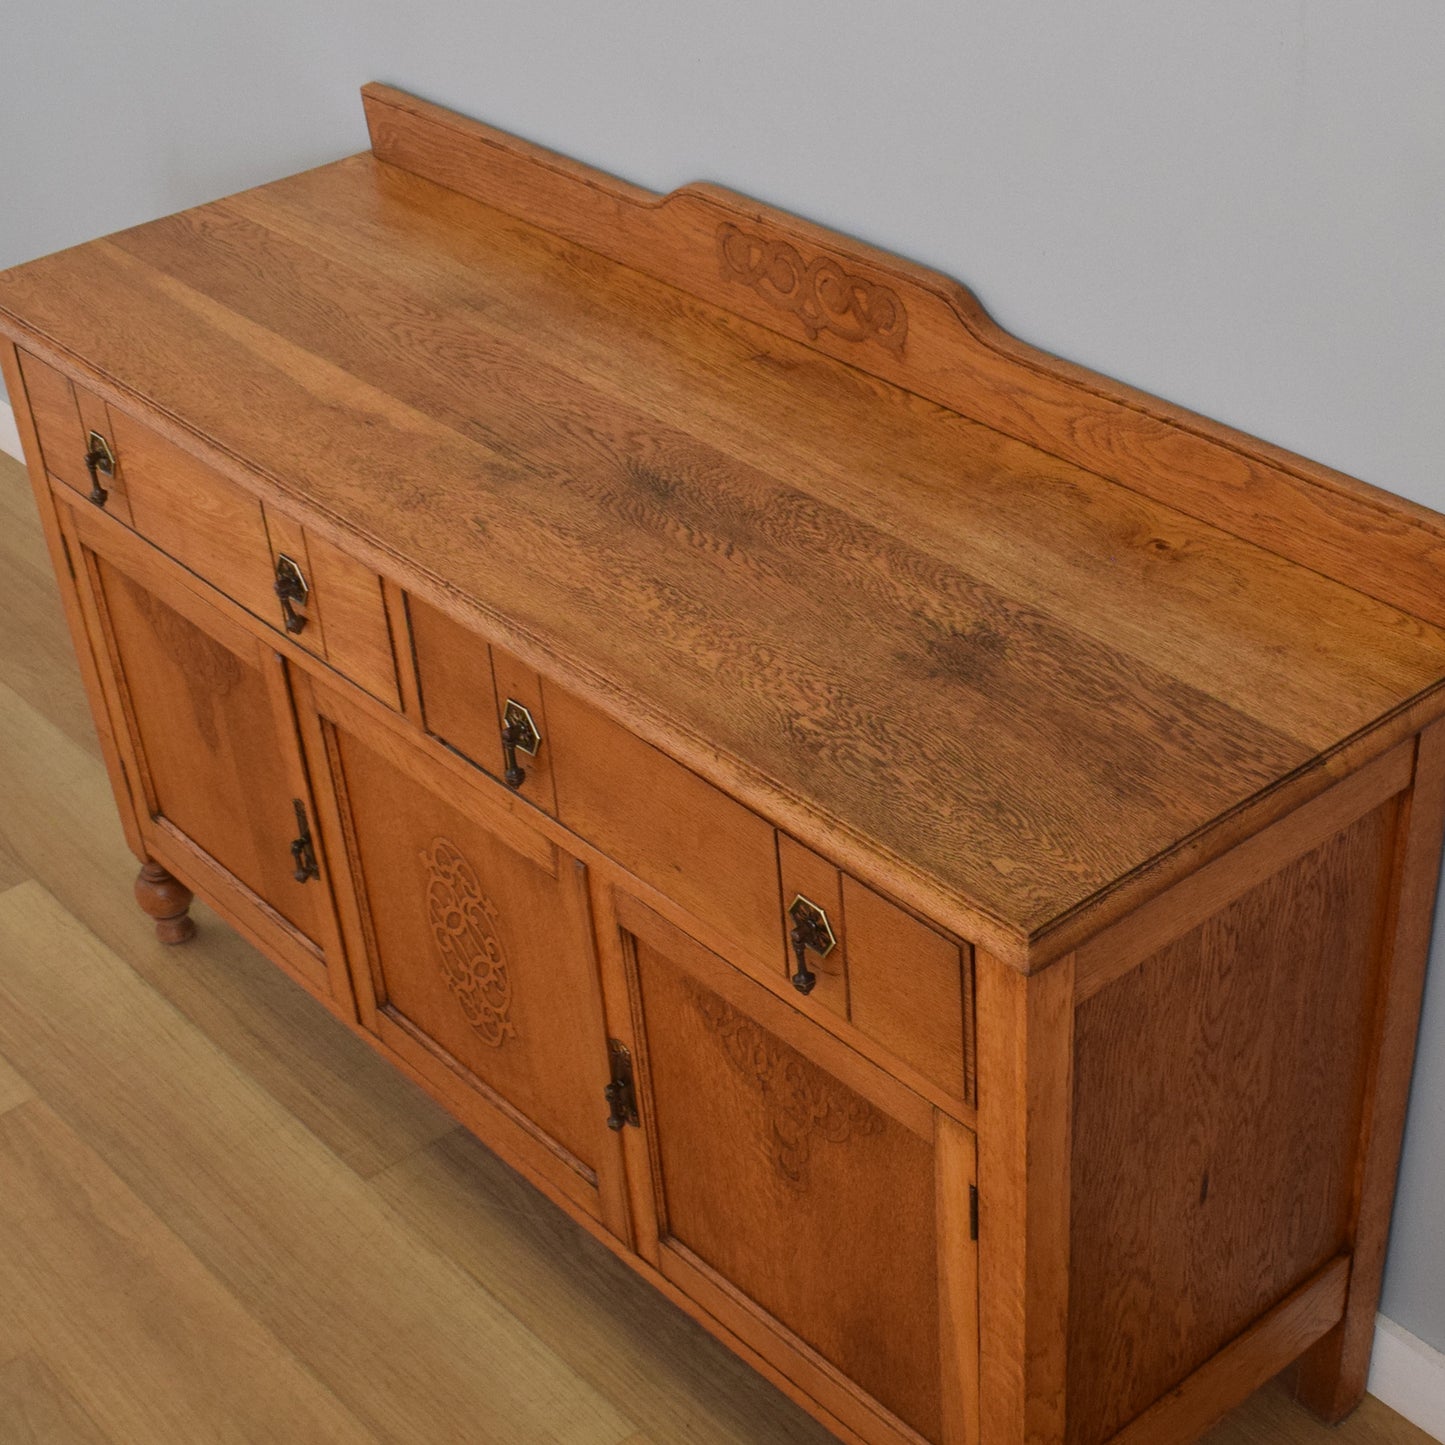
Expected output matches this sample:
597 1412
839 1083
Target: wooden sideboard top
740 491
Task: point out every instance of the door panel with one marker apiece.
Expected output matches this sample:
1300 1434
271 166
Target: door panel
809 1196
474 950
204 723
214 749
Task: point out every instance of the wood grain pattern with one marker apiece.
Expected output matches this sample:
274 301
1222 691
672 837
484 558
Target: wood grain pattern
1219 1093
212 745
358 637
196 517
61 827
55 417
554 1283
1332 1379
955 1177
910 988
819 1175
83 1255
1065 697
105 725
668 826
1246 1363
1117 950
643 346
689 635
955 354
13 1089
36 1409
1026 1090
292 1234
456 687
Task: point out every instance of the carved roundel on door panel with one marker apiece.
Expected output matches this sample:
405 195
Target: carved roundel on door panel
805 1105
464 924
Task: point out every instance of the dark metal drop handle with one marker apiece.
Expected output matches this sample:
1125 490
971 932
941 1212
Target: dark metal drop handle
804 979
303 853
515 774
99 461
519 735
811 933
292 590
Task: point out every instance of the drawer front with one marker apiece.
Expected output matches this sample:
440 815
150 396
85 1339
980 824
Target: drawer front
470 691
207 524
668 826
214 528
905 985
335 607
74 428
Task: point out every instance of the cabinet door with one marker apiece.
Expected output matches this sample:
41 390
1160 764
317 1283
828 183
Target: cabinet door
209 733
472 947
803 1196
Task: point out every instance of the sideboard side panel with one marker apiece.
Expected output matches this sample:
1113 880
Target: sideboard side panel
1219 1090
1332 1377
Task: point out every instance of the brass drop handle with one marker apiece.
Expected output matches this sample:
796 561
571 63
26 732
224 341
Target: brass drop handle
303 851
292 591
811 933
519 735
99 462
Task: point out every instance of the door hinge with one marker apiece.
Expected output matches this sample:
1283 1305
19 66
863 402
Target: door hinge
303 852
973 1211
621 1093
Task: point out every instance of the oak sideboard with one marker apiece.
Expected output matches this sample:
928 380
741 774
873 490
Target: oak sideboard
925 851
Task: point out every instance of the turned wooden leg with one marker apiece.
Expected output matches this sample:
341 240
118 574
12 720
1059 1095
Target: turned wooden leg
166 899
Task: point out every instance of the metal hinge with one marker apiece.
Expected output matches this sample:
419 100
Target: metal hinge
621 1093
973 1211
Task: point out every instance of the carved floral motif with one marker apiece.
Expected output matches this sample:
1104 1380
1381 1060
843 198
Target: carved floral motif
820 293
464 927
804 1104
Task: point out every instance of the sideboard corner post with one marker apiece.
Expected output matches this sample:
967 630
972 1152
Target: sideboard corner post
1025 1100
1331 1378
63 564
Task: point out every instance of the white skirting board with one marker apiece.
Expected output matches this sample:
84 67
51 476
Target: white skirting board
1406 1373
9 432
1409 1377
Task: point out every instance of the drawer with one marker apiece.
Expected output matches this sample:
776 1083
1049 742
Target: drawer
337 610
74 429
669 827
215 529
470 690
902 983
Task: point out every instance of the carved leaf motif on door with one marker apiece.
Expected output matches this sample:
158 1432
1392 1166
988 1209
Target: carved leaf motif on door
211 672
820 293
464 924
804 1104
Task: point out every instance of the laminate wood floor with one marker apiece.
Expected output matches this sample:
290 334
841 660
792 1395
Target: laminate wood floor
223 1219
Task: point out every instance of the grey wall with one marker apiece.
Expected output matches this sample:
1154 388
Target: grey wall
1239 205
